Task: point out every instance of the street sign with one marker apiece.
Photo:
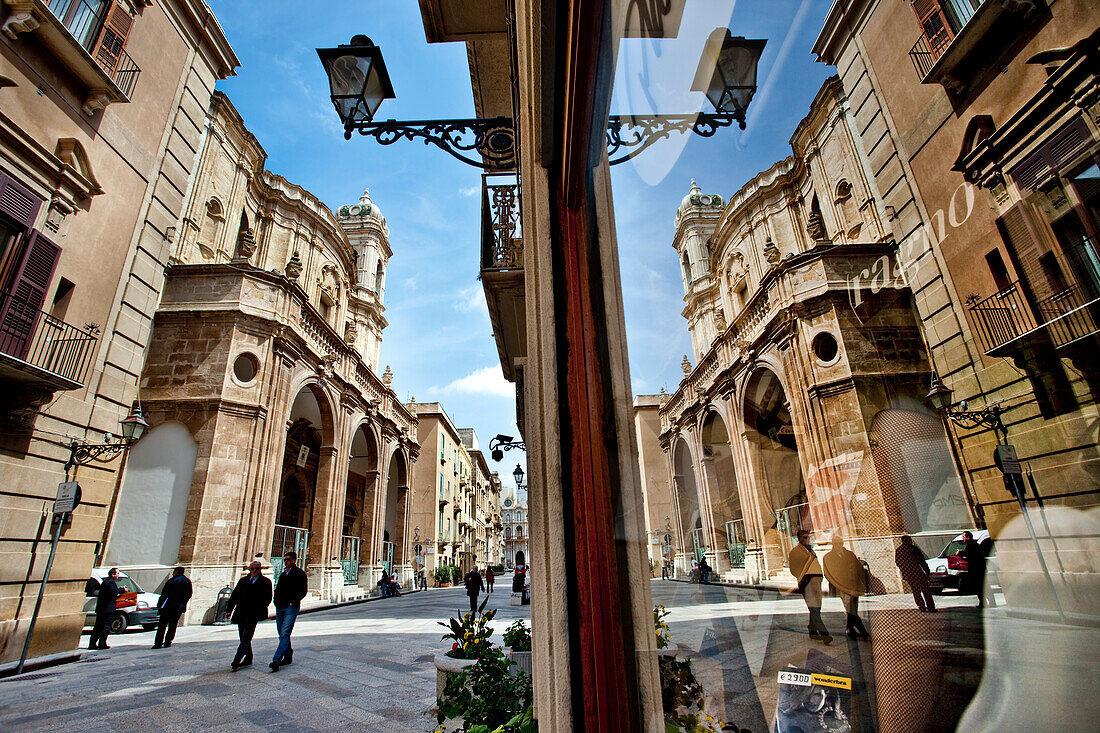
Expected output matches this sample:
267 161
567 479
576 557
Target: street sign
68 497
303 456
419 549
1004 456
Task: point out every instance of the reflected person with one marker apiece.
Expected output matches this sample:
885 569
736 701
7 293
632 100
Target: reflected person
846 573
914 570
807 571
974 554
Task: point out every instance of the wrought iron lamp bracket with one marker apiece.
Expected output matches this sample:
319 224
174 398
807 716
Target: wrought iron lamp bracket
81 454
989 417
641 131
492 139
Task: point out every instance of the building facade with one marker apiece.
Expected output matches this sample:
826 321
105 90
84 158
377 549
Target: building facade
517 529
101 118
983 141
805 408
261 388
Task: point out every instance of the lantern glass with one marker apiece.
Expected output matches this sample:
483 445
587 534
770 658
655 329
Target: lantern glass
939 395
727 71
133 425
358 80
518 475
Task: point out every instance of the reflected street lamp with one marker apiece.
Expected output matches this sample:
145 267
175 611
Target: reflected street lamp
501 443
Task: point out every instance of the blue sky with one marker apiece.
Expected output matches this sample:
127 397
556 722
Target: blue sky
439 342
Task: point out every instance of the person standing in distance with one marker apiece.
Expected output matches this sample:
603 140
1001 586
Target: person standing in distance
249 604
473 586
807 570
104 609
914 571
289 592
489 577
173 602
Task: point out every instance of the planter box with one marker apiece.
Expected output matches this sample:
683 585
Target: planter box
445 665
522 663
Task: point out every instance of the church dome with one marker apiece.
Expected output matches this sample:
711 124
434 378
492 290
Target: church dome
696 199
365 209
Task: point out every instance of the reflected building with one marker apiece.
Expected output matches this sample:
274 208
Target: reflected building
271 429
804 408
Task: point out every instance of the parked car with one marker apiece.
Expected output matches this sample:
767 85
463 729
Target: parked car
948 570
135 607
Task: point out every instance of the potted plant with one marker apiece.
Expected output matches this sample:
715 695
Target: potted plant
487 698
469 634
517 638
441 574
456 574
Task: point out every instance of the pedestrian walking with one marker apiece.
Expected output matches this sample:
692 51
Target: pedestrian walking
846 573
664 570
807 570
694 571
473 586
249 604
290 589
109 593
489 577
974 554
172 603
914 570
704 570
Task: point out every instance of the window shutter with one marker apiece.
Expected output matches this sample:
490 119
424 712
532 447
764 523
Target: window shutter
23 304
934 25
116 29
1024 250
18 202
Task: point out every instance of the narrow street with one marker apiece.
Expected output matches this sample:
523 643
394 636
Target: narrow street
367 665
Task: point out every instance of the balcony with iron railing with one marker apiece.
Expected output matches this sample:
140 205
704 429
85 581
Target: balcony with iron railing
502 266
39 351
1064 309
89 38
961 36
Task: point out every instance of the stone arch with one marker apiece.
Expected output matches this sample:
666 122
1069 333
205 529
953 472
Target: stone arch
685 265
152 502
847 211
210 231
686 493
396 505
771 447
362 485
720 470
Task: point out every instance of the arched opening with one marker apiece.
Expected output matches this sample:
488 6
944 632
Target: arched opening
362 499
397 492
211 228
152 502
773 449
685 265
690 531
921 489
725 497
378 273
299 526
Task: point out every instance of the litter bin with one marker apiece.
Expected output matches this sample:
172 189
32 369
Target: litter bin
221 610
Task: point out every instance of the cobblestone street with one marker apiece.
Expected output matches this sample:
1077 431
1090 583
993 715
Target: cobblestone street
366 665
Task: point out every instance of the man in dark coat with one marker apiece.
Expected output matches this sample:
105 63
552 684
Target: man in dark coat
806 569
974 555
289 592
249 603
109 593
914 571
173 602
473 587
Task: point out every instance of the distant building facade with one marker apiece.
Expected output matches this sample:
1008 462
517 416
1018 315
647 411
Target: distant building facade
101 118
805 406
517 530
271 428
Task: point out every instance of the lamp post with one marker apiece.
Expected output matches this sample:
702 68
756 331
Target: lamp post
518 476
359 83
68 497
1004 457
502 443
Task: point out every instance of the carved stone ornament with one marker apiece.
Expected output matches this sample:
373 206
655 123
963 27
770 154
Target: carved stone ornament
720 320
387 376
351 332
246 245
685 365
816 228
293 267
21 19
772 253
327 368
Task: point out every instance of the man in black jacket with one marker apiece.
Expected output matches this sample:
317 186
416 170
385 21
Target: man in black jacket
104 609
473 587
173 602
289 592
249 603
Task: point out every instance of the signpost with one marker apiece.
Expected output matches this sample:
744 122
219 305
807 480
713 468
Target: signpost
68 499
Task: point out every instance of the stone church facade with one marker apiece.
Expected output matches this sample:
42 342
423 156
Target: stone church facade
805 406
271 429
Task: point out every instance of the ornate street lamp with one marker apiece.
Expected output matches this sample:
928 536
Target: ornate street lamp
133 427
939 396
501 443
359 82
518 476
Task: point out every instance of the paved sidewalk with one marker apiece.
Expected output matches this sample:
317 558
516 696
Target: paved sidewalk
363 665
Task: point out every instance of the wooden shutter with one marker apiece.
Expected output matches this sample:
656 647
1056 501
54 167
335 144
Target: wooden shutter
18 202
934 25
1025 249
22 303
112 39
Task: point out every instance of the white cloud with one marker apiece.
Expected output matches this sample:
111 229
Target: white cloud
409 283
488 381
470 190
470 299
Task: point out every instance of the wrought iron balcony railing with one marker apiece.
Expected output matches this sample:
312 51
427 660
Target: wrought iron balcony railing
501 230
40 340
1068 307
87 23
940 29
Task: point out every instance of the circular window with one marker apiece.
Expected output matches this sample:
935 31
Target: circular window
825 348
245 368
